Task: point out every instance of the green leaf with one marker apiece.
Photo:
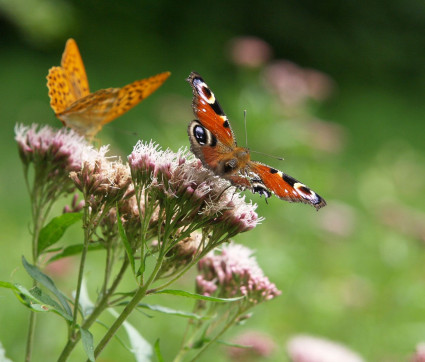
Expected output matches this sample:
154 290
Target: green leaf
35 299
183 293
74 250
46 299
87 339
43 279
141 349
166 310
158 351
3 357
125 241
199 343
54 230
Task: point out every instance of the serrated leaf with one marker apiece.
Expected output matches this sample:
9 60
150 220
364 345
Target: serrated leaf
87 339
54 230
126 243
43 279
183 293
74 250
166 310
158 351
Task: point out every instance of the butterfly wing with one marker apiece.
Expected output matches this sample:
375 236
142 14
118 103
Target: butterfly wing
209 112
87 115
210 135
266 180
132 94
74 69
68 82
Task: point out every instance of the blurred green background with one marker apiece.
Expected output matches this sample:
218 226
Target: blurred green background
340 97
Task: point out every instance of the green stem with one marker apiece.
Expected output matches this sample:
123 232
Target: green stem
37 224
217 336
141 292
81 269
30 336
101 306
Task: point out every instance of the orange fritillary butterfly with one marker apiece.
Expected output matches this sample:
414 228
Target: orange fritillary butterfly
86 112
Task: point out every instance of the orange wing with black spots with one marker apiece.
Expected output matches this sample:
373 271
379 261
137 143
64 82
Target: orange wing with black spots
282 185
213 142
87 112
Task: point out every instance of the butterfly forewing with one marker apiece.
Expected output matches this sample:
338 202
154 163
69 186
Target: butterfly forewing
209 112
282 185
74 68
60 93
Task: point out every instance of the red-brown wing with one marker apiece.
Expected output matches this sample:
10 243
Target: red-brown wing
209 112
266 180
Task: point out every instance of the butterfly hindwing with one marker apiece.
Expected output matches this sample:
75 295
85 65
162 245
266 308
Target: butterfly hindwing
209 112
266 180
132 94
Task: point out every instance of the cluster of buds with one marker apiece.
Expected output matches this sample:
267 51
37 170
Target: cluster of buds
234 272
53 155
187 195
103 183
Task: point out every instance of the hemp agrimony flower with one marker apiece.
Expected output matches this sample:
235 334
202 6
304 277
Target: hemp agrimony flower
231 273
234 272
187 197
53 155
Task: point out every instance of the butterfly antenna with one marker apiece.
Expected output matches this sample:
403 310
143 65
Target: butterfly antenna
268 155
246 131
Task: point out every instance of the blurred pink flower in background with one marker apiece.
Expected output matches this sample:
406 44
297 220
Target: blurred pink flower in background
419 355
60 268
324 135
295 85
338 219
304 348
405 220
249 51
260 345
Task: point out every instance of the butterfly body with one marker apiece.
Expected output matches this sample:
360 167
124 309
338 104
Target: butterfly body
86 112
213 142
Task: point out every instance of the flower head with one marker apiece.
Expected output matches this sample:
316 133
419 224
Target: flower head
63 149
249 51
259 345
303 348
188 191
103 182
295 85
234 272
419 355
53 155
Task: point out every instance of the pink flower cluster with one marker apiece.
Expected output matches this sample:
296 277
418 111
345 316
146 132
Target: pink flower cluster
234 272
63 149
304 348
194 193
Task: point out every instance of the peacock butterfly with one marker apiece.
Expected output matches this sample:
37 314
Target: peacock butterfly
213 142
